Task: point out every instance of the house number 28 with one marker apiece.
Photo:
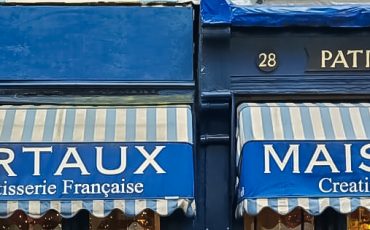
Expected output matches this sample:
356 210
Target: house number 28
267 62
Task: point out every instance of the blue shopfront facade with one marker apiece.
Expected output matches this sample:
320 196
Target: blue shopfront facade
290 86
97 102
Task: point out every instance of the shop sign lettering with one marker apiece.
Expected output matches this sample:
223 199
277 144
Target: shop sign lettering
305 169
71 153
95 170
338 59
348 59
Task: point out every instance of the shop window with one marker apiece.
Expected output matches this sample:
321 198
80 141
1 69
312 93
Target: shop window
147 220
20 221
359 220
268 219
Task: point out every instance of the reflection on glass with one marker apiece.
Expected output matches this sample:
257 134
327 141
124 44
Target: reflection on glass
20 221
359 220
268 219
118 221
52 220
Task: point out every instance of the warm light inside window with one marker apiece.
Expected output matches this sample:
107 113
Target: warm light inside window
147 220
19 220
269 219
359 220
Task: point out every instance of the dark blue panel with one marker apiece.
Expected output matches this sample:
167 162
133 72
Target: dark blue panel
225 12
88 43
233 63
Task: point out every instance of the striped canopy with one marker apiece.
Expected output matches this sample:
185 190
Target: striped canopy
96 124
305 121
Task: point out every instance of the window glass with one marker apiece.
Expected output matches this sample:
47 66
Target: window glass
268 219
20 221
359 220
117 220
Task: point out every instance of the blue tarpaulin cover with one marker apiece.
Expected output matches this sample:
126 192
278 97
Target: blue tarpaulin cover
216 12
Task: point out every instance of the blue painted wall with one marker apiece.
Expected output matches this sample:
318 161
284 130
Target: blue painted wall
96 43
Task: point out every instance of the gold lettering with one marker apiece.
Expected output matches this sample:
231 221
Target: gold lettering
340 59
326 55
367 58
354 54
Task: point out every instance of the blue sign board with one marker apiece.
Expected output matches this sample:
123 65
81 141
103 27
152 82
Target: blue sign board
96 43
272 169
64 171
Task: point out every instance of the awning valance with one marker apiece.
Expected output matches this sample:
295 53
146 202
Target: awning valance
311 155
99 208
314 206
96 158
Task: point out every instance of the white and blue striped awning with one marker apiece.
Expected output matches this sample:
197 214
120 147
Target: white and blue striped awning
96 124
304 121
313 206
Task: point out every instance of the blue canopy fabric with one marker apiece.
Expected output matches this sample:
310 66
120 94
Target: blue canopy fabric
77 124
301 121
218 12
